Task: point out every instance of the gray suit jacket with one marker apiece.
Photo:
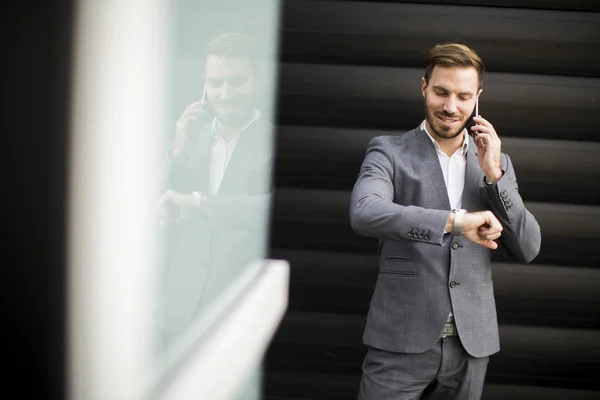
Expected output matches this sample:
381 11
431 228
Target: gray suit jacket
400 198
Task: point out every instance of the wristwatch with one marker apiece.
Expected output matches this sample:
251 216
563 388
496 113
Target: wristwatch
459 214
197 197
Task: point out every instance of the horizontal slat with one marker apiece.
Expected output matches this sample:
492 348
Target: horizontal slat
570 188
366 82
331 207
344 32
497 391
308 385
539 343
345 299
334 358
406 19
319 220
511 280
567 5
390 98
548 170
539 295
321 237
344 144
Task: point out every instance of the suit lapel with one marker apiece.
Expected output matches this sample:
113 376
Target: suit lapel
473 178
200 161
243 158
236 169
428 155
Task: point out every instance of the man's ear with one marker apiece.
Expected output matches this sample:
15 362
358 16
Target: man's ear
423 86
479 92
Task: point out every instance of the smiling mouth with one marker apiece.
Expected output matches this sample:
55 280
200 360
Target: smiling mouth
448 121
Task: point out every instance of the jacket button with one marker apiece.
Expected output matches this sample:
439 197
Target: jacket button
427 237
421 236
454 246
452 284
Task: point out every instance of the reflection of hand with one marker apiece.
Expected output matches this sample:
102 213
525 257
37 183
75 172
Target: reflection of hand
482 228
174 207
488 149
193 118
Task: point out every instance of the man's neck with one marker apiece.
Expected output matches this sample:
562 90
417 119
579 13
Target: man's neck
229 132
447 146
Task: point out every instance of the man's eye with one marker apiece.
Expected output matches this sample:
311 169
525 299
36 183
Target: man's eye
238 81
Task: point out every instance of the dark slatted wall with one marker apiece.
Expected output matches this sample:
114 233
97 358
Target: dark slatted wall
350 70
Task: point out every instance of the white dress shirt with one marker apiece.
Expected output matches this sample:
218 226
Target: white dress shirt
220 154
453 168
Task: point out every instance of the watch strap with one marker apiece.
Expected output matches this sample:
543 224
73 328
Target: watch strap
459 215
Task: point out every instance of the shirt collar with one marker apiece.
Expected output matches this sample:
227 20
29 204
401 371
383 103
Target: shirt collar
256 117
464 146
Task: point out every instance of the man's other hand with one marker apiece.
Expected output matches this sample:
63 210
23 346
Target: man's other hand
174 207
482 228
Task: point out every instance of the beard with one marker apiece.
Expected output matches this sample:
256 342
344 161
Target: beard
442 131
236 116
235 112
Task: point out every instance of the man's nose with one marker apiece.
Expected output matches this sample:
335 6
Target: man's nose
450 105
227 91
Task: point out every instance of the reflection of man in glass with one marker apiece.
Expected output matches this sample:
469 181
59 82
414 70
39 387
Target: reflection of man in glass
216 208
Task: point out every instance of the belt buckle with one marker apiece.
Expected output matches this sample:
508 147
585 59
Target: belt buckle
449 330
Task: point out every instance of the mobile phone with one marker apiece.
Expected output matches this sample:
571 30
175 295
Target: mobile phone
472 123
207 107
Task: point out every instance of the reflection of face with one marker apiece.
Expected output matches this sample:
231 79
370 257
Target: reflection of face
231 86
450 99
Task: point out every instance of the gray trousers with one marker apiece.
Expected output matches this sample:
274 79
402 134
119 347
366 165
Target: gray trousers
446 371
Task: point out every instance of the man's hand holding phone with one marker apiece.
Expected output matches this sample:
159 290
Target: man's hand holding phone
489 146
192 120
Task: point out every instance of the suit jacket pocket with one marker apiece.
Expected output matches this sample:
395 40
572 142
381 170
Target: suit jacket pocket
398 259
394 273
398 267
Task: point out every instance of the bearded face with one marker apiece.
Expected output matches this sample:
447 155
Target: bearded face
449 99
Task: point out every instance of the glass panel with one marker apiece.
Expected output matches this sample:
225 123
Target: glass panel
213 208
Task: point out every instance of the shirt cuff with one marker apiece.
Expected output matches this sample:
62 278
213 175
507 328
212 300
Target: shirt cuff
486 183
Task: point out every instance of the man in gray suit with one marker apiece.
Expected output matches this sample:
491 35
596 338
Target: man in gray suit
437 199
216 208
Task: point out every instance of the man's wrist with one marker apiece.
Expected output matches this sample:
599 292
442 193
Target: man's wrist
449 223
493 179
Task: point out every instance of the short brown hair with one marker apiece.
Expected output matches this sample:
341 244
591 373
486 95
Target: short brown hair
454 55
234 45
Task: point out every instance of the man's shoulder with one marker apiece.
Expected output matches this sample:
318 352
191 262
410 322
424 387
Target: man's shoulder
402 139
262 126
